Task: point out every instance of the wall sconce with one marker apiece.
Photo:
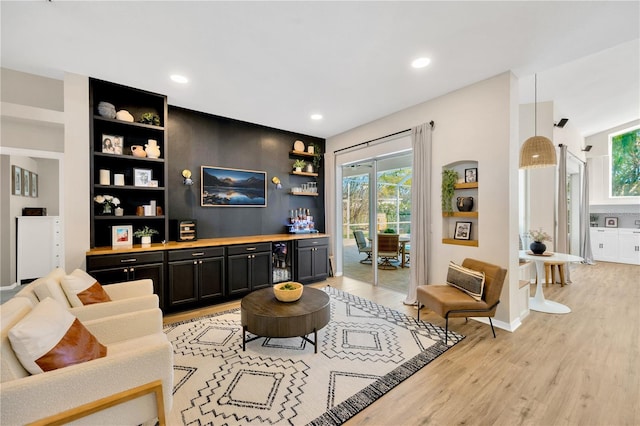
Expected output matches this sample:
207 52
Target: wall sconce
186 175
276 182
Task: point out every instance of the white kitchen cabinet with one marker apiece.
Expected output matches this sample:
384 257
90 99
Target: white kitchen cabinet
604 244
629 246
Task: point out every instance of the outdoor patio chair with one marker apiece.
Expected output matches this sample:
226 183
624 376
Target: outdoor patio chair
388 250
363 246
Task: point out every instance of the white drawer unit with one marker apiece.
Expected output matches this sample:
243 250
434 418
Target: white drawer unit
629 246
39 246
620 245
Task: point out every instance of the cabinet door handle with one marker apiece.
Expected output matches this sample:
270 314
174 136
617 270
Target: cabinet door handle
200 253
200 262
195 262
126 270
128 260
251 248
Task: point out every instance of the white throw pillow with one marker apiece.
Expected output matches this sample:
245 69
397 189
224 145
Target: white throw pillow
50 337
82 289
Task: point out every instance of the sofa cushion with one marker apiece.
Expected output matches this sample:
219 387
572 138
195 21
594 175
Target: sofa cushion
12 311
82 289
465 279
50 337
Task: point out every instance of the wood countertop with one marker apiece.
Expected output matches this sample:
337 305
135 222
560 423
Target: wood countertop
204 242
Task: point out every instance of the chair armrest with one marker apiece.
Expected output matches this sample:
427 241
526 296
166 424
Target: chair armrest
127 326
31 398
129 289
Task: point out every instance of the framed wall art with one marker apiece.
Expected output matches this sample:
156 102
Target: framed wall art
610 222
141 177
26 186
463 231
112 144
34 184
16 180
222 187
122 236
470 175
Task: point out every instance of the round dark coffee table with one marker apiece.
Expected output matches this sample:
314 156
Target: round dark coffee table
265 316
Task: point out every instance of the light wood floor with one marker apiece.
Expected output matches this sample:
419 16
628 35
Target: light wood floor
582 368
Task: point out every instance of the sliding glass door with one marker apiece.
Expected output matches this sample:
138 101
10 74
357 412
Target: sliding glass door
376 224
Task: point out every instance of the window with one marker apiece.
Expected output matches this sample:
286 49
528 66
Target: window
624 152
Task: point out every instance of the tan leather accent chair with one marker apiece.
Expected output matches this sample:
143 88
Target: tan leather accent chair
449 302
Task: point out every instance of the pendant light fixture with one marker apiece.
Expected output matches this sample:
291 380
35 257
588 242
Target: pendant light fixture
537 151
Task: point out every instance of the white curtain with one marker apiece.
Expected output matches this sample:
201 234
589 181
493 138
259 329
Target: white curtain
562 238
585 233
420 210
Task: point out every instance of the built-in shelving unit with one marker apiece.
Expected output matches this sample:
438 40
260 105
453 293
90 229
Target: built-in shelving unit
451 220
122 162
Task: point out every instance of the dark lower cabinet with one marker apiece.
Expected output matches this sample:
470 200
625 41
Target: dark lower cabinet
109 269
312 260
249 267
195 275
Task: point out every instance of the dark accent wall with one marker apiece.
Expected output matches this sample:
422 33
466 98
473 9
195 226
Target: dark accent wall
197 139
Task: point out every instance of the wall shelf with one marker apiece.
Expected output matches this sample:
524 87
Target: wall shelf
460 214
451 220
307 194
470 243
304 174
302 154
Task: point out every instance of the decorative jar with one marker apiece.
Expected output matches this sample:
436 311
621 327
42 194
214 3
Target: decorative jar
537 247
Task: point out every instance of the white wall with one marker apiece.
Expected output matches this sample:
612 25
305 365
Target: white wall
31 137
479 123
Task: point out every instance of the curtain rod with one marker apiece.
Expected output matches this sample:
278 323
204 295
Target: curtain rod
431 123
572 154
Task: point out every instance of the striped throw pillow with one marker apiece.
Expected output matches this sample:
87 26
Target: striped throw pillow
467 280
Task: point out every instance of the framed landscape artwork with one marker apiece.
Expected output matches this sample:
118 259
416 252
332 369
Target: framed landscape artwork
222 187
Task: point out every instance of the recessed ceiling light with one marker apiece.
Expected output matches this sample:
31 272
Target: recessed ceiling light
316 116
420 62
179 78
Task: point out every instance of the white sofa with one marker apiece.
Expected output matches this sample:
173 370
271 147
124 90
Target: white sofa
138 353
129 296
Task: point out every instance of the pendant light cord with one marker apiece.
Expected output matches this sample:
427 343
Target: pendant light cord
535 104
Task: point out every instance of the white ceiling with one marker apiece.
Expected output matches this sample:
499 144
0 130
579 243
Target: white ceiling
275 63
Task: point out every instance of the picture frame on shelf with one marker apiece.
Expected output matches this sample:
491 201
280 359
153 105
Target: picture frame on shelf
16 180
142 177
471 175
122 236
34 185
462 231
248 187
112 144
26 183
610 222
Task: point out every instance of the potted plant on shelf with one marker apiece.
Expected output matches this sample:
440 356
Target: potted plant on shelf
145 235
317 156
298 165
449 179
109 202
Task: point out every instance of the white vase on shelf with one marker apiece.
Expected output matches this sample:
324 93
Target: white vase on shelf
152 149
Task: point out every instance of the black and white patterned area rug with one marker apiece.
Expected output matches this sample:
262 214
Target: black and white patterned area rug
364 351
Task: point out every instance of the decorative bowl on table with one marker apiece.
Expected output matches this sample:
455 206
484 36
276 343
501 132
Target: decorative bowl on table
289 291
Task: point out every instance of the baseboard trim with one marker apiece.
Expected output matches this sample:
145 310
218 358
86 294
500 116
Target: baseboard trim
9 287
511 327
